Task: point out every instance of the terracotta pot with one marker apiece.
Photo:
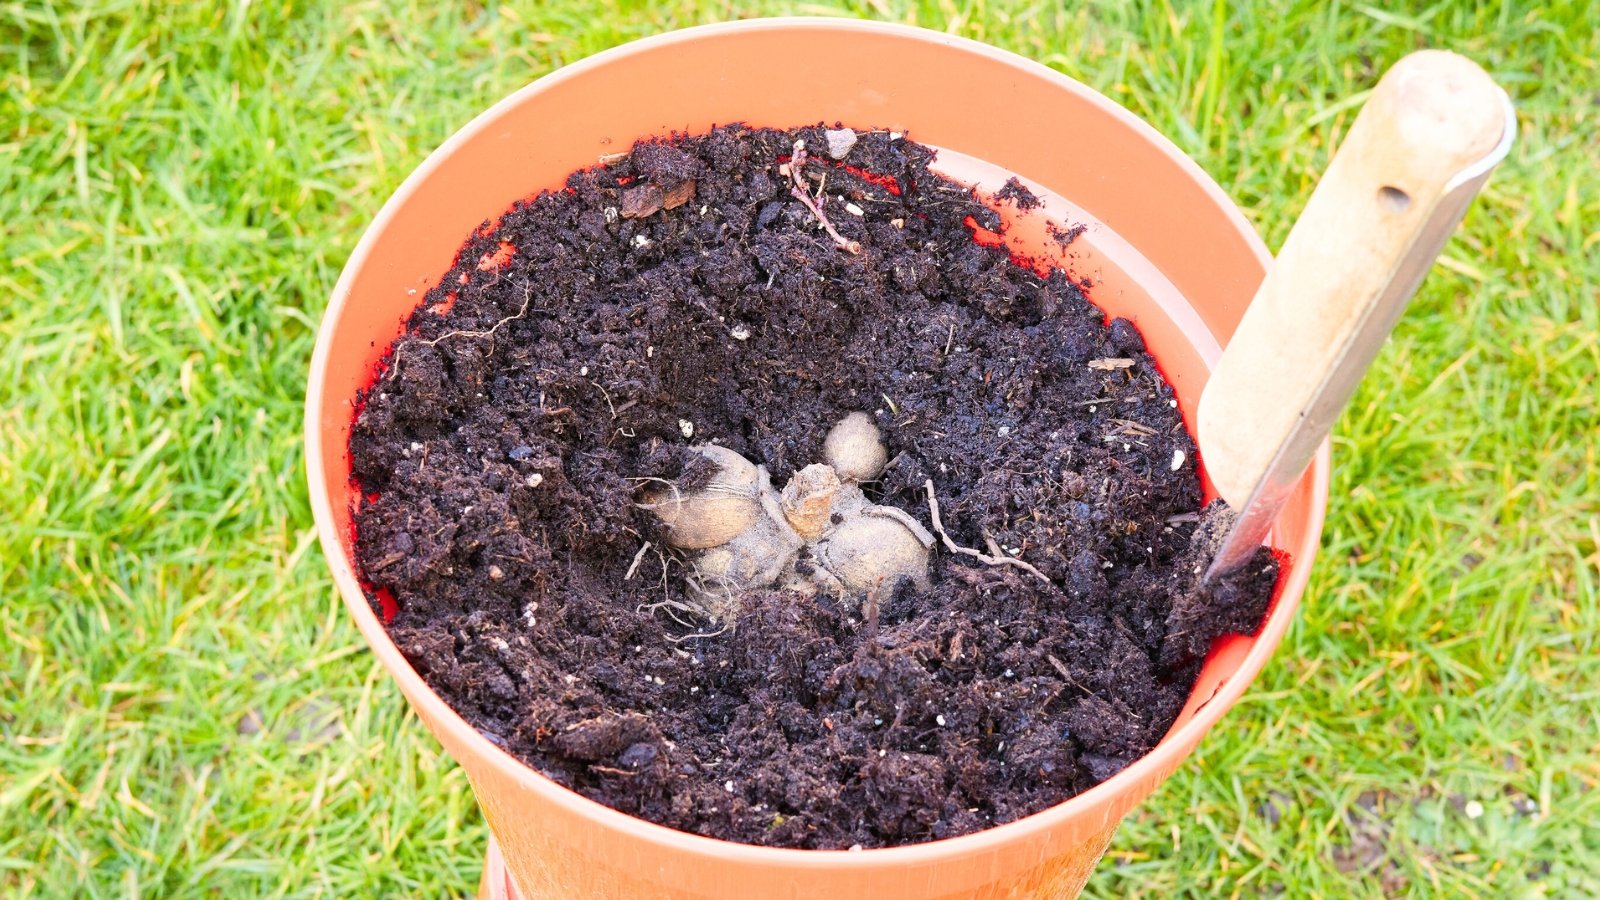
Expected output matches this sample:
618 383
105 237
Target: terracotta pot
1169 250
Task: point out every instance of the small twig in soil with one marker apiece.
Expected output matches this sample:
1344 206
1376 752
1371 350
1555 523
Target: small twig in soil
1128 426
1110 363
637 558
1062 668
896 460
870 608
1066 675
610 771
938 525
798 189
606 394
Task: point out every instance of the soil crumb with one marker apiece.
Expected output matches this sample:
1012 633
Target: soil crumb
1065 236
1017 194
685 293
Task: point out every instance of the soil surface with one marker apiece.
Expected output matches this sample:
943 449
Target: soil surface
683 294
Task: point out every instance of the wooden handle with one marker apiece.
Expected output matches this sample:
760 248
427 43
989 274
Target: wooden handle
1350 263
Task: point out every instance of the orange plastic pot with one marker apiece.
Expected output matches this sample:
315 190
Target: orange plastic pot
1167 248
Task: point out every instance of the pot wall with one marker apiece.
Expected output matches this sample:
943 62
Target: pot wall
1194 265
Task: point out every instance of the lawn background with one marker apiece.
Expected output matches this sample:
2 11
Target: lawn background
184 708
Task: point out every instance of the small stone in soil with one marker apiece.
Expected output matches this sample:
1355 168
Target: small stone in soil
840 142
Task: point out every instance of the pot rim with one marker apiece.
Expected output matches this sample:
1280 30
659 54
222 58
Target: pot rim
1152 766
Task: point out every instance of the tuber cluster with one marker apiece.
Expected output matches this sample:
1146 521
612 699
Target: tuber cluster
820 533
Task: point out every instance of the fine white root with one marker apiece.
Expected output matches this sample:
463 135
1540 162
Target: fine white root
671 605
527 298
985 558
698 634
906 519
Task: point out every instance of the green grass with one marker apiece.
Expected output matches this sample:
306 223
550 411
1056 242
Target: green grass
180 183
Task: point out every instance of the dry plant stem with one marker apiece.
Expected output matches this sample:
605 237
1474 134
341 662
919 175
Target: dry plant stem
637 558
870 613
1062 668
798 189
986 559
1110 363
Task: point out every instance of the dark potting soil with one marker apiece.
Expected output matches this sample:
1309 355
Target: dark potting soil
1017 193
683 294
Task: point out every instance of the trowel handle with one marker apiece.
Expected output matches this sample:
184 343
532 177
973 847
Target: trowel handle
1396 189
